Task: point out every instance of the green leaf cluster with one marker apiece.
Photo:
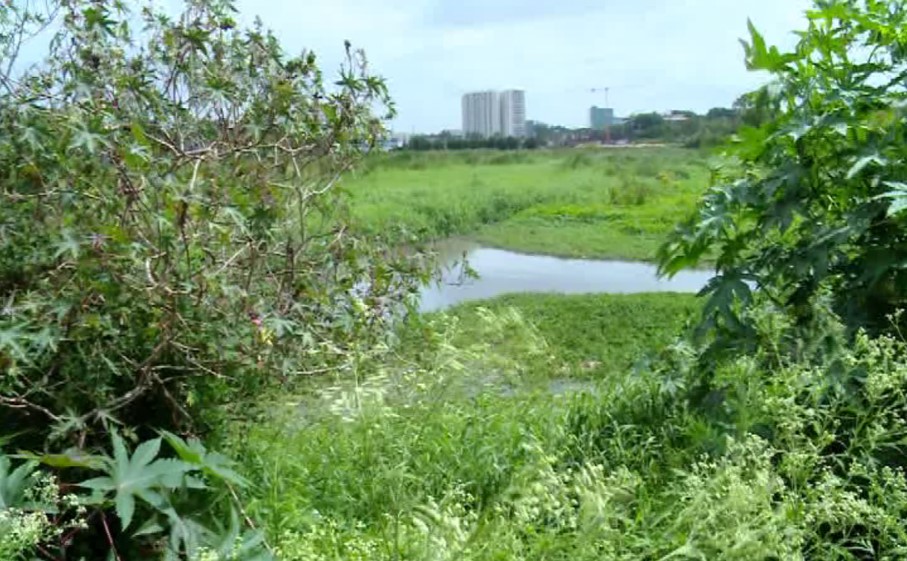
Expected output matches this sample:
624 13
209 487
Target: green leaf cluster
816 200
179 504
173 239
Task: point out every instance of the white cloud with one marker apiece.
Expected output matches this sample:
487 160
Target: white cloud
654 54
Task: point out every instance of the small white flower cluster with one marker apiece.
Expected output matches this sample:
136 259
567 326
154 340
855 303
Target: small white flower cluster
21 532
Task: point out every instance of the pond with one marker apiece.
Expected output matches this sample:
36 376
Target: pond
505 272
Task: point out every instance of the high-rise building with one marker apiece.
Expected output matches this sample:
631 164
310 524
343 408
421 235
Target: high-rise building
482 114
492 113
513 113
601 117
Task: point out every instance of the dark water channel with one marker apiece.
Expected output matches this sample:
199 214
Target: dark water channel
506 272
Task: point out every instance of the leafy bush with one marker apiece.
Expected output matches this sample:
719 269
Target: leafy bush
819 201
169 237
139 504
172 246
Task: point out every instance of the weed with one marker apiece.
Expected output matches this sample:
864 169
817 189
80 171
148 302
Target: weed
462 454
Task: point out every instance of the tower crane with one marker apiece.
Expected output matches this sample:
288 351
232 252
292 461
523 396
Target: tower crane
606 89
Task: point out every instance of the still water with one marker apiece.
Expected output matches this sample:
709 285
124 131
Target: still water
505 272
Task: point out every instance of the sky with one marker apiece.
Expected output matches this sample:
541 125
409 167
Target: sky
652 54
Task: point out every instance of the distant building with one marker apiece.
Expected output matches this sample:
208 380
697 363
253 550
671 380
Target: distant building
513 113
676 116
601 117
482 114
492 113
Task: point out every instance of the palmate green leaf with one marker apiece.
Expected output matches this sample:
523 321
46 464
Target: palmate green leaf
758 55
863 163
897 196
186 536
212 464
725 291
89 141
138 476
68 245
125 507
150 527
11 341
13 484
232 542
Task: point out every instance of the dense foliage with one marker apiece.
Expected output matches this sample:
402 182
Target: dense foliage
171 246
793 449
487 448
169 231
817 202
175 249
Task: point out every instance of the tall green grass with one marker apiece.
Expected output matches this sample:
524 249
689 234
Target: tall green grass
588 203
462 453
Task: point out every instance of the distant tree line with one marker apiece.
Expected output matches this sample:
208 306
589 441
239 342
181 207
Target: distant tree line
683 127
447 141
679 127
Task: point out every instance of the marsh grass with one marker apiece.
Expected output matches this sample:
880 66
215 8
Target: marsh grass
505 199
618 331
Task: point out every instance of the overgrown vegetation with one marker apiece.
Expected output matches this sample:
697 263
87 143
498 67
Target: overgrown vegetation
171 246
478 453
618 332
791 447
819 205
176 263
578 203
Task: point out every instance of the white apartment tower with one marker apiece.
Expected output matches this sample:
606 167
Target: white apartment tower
513 113
482 114
494 113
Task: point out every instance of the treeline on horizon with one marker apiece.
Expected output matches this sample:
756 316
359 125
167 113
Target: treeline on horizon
692 130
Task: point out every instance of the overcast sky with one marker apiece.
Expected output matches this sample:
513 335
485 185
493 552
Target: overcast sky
653 54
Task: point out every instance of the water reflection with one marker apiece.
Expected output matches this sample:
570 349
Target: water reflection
505 272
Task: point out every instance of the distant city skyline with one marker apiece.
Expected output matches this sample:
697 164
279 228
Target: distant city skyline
654 55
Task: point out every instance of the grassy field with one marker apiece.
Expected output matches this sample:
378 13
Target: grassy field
579 203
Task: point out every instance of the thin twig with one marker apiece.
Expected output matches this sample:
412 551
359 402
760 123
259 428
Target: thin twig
245 516
19 403
230 261
110 537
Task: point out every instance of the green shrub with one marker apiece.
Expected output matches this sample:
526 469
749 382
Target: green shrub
158 261
172 246
819 202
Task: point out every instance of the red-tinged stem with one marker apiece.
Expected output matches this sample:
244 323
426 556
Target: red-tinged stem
110 537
